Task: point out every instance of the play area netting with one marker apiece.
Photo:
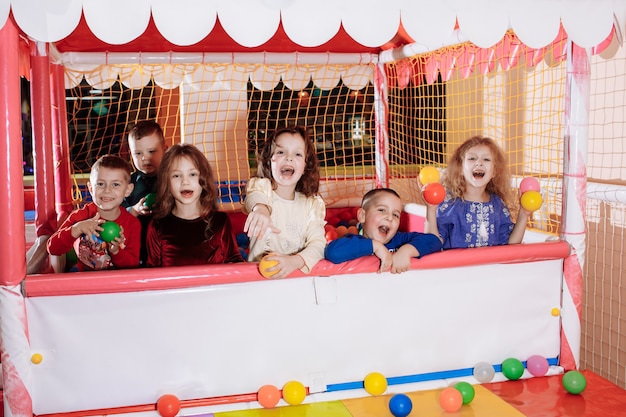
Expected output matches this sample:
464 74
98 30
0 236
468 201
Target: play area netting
423 107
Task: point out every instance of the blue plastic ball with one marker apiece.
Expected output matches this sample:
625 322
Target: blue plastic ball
242 240
400 405
343 223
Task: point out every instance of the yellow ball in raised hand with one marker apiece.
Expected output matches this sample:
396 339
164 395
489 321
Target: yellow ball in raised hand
428 175
531 200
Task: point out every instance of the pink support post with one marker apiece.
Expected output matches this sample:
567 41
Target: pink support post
45 214
381 114
575 197
13 329
12 232
61 150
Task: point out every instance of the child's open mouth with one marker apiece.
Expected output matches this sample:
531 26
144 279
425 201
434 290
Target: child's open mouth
383 230
186 193
287 171
478 174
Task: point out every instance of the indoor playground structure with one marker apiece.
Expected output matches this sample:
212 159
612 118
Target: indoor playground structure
386 92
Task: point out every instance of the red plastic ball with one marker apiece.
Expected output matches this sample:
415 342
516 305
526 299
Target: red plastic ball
433 193
331 235
168 405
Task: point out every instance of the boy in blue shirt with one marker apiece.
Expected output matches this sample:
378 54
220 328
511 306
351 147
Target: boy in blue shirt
147 147
379 217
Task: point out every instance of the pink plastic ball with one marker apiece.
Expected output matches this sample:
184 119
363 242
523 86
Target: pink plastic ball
537 365
529 184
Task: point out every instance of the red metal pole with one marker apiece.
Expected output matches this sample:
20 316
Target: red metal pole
45 214
61 149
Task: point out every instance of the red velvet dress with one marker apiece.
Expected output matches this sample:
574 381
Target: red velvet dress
173 241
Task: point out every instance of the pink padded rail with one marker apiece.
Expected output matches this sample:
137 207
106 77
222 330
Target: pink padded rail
191 276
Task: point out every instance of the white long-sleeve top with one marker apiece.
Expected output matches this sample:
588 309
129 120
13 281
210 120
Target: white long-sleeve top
300 221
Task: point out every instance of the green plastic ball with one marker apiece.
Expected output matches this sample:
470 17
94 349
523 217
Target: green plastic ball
512 368
574 382
150 200
467 391
110 231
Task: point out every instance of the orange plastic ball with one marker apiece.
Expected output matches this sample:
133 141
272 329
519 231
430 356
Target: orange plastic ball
353 230
331 235
265 264
433 193
375 383
428 175
168 405
294 392
268 396
531 200
451 399
341 230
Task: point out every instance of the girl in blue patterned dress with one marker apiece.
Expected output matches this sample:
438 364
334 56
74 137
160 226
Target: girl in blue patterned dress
476 209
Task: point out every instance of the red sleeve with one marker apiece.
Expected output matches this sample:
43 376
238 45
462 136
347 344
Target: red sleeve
231 250
129 256
153 246
62 240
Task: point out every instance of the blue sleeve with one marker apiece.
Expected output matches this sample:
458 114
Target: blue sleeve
445 220
505 223
425 243
347 248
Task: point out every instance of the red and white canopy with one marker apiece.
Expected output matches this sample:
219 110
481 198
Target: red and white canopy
306 26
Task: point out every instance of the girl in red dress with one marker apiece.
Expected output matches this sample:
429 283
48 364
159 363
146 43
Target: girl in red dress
187 228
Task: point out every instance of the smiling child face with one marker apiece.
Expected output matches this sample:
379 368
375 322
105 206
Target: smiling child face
381 218
185 182
478 167
108 187
288 163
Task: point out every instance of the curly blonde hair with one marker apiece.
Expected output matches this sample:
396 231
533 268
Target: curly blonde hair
454 181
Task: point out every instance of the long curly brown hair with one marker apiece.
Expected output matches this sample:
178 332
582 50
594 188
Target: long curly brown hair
165 202
454 181
310 181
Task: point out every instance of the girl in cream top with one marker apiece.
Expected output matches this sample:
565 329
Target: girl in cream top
285 214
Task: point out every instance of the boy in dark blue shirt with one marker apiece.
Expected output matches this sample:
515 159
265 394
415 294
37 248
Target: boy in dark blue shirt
379 217
147 147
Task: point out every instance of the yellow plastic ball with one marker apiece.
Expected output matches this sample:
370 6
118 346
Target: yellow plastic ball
294 392
375 383
531 200
37 358
428 175
265 264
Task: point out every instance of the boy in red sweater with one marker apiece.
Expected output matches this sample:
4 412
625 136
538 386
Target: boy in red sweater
109 183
